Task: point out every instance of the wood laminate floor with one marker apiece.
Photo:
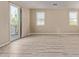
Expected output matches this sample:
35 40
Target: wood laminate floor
43 46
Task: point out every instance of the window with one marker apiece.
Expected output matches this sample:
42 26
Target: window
73 21
40 18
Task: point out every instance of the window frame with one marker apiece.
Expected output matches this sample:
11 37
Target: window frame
44 14
76 24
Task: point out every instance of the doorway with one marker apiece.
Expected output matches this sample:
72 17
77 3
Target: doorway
14 22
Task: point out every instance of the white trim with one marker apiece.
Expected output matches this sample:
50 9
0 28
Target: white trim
54 33
4 43
28 34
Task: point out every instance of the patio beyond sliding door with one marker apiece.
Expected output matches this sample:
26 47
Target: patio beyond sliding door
14 22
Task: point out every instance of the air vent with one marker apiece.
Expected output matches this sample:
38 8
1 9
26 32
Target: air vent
55 4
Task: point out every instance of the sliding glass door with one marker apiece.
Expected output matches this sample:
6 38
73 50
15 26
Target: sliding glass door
14 22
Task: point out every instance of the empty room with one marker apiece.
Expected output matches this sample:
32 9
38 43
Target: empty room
39 28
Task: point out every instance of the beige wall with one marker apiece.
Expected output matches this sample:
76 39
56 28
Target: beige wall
56 21
25 22
4 22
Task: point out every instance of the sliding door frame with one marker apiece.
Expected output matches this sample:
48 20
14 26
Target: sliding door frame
20 22
20 19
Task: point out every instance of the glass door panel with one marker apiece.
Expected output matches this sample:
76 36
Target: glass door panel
14 22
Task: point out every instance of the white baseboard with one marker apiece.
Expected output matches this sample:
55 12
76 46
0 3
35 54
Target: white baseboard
28 34
53 33
4 43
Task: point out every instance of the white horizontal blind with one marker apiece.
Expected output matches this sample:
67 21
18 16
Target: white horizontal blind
73 18
40 18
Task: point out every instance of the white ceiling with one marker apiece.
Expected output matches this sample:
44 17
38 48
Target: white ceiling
48 4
